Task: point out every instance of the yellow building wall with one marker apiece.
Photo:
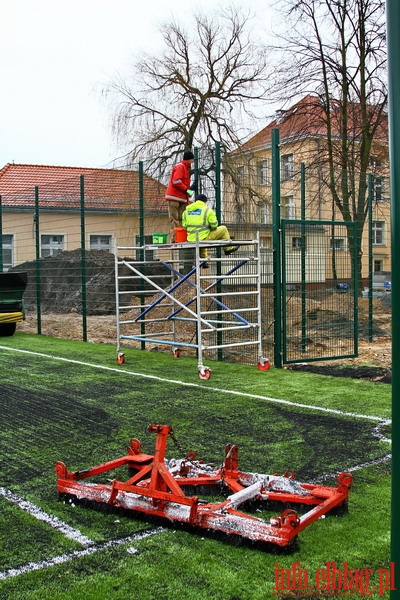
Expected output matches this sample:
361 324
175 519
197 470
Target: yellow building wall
120 226
245 200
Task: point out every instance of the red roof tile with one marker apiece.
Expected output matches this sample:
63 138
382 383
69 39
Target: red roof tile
59 187
307 118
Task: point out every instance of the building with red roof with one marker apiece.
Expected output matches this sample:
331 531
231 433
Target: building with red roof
303 136
56 194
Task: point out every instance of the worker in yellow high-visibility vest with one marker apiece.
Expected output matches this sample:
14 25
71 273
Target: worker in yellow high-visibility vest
201 224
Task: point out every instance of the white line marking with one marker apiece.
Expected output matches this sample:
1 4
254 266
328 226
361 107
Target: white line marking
365 465
58 560
198 385
38 513
376 432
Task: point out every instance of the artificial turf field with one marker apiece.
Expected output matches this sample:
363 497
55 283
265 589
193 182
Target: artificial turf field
70 401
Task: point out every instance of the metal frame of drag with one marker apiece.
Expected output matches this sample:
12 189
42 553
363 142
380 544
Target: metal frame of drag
157 487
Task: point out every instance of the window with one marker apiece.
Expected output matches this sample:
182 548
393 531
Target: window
287 207
51 244
7 252
378 196
374 163
378 266
263 172
240 175
338 243
100 242
266 243
241 211
264 214
297 243
239 180
378 233
287 166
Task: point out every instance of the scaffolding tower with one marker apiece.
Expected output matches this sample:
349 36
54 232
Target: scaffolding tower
168 294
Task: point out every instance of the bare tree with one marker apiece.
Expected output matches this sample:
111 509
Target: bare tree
336 49
197 90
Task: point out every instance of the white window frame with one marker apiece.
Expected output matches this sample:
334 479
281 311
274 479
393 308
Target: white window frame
241 208
378 228
8 247
378 189
266 243
240 174
263 172
287 166
374 163
378 261
99 246
297 243
264 214
239 180
287 207
52 247
341 247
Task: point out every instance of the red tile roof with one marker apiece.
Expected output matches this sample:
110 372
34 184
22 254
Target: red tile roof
307 118
59 187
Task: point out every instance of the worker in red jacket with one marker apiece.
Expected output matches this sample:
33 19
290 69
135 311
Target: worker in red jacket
178 192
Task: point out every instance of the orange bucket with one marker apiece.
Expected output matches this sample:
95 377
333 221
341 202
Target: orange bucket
180 234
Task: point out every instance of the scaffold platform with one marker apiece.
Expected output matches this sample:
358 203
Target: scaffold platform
166 296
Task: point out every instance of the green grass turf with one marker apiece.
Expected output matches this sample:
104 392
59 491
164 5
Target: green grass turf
83 415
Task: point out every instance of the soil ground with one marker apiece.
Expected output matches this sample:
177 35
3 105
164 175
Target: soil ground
374 360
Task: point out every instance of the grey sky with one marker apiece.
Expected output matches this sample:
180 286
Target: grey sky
54 57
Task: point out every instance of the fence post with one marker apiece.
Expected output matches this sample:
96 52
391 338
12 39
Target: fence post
276 243
393 25
303 257
141 243
218 211
370 257
37 252
141 206
196 172
1 235
356 258
218 181
83 258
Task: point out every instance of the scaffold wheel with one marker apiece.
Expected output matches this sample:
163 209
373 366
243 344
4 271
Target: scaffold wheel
263 364
204 373
176 352
120 358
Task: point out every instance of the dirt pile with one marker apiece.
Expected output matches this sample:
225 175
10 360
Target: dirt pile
61 282
372 373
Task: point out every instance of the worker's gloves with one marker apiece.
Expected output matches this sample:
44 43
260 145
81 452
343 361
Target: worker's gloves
189 193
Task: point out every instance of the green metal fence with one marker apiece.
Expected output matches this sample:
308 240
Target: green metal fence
319 290
261 190
63 234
